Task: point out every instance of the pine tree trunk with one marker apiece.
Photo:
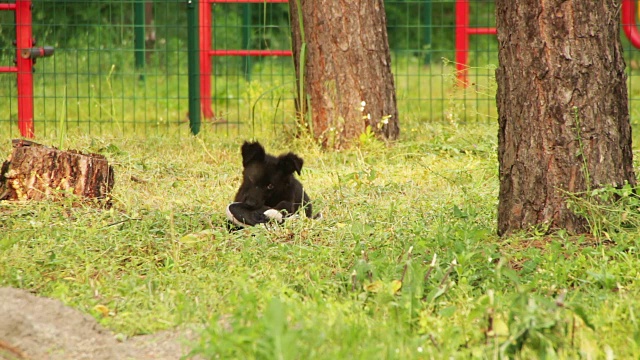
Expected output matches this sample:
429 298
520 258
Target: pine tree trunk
347 64
37 172
562 104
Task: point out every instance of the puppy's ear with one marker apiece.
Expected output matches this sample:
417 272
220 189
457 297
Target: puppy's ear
252 152
289 163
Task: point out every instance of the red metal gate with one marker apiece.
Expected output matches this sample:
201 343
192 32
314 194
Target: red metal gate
206 52
26 54
464 31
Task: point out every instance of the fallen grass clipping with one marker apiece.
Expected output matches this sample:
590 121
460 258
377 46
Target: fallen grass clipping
403 264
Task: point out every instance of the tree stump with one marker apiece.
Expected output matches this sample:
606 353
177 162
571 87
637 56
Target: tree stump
37 172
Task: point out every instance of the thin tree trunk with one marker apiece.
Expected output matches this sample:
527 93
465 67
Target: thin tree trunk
562 104
347 64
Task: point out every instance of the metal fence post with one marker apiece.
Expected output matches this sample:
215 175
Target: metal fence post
24 43
193 42
427 30
138 33
246 38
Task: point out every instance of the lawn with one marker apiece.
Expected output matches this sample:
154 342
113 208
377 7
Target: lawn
403 264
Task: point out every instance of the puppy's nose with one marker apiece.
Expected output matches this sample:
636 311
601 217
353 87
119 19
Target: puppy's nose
252 203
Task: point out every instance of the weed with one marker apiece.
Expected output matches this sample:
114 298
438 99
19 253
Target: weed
607 209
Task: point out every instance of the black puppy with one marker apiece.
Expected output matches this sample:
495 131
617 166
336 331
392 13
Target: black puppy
268 183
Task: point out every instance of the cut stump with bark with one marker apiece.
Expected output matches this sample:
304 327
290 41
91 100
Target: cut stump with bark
37 172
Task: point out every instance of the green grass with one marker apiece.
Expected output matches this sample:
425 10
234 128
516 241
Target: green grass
328 288
317 289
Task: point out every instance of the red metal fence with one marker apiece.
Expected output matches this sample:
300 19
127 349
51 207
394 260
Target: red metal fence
26 55
23 66
92 84
206 51
464 31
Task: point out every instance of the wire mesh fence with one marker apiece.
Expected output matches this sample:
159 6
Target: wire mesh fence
93 83
121 67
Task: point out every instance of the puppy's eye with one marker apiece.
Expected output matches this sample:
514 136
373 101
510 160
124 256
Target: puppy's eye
270 187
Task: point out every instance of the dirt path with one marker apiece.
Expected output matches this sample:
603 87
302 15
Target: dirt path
33 327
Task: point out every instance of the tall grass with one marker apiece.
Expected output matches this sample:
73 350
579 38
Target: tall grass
403 264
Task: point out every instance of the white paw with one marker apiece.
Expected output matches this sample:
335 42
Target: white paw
273 214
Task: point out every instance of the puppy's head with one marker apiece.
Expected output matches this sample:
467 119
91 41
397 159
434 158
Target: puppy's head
267 179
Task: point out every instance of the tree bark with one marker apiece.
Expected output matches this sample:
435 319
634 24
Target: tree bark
562 105
37 172
347 64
